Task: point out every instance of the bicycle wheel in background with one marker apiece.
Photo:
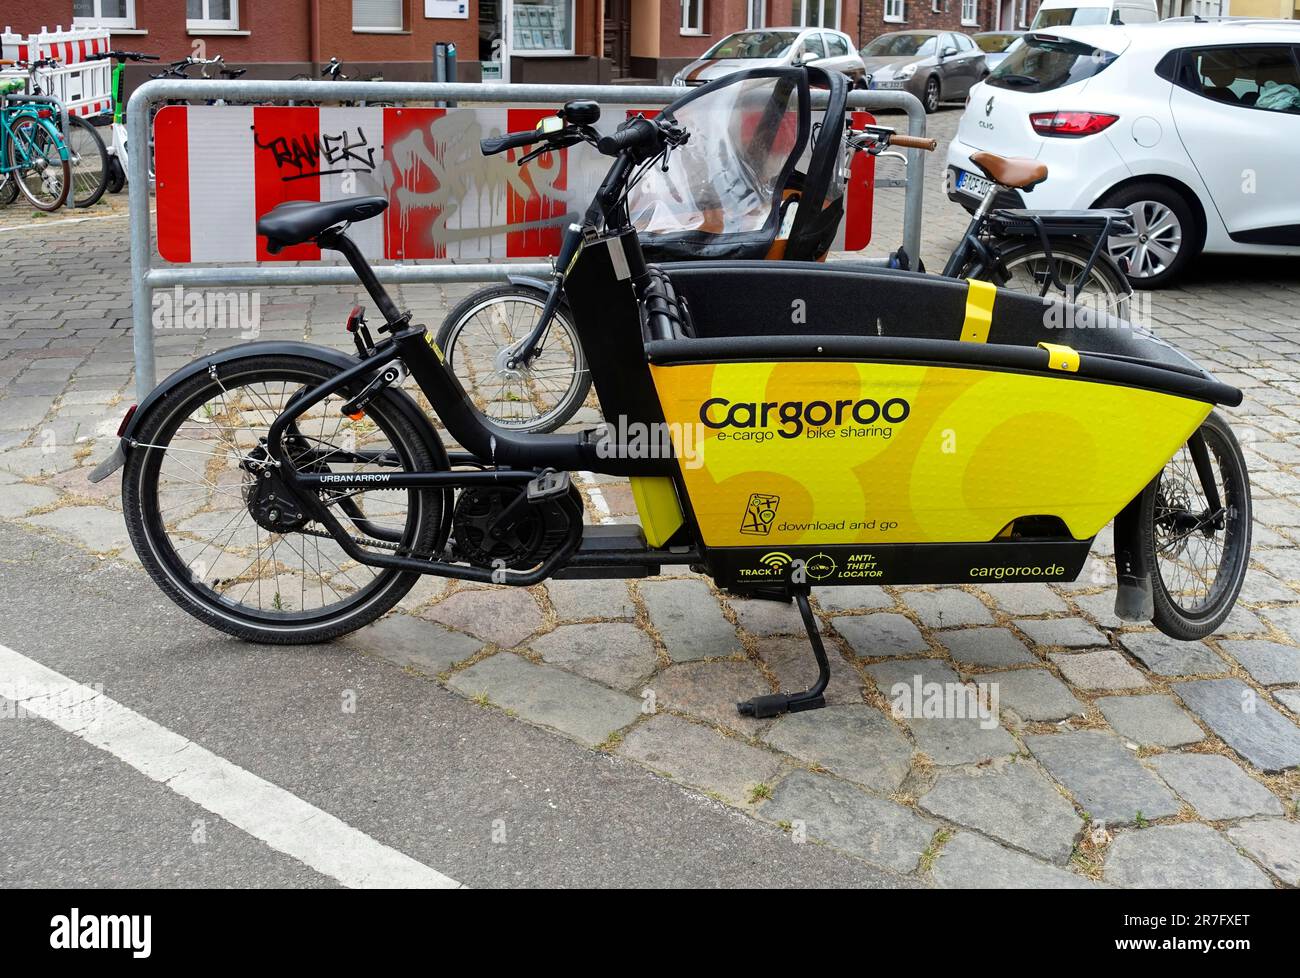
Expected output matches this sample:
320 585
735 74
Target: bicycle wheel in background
88 157
8 188
1029 270
477 338
36 163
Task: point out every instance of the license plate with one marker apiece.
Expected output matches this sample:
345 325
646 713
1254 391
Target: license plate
889 85
971 184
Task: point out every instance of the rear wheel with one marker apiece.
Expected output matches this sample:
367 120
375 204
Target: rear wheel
8 188
89 159
35 163
1029 270
1198 557
477 338
223 537
1165 234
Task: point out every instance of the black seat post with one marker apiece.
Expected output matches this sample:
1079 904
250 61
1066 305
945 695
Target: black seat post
336 240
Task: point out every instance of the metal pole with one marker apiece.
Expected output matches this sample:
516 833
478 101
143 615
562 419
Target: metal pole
145 278
914 192
137 140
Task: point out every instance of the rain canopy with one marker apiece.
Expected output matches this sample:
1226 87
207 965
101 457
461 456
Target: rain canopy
720 194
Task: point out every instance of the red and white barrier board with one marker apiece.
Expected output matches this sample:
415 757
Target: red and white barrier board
84 87
219 167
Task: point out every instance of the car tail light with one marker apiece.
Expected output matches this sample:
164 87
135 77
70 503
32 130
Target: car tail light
130 413
1070 123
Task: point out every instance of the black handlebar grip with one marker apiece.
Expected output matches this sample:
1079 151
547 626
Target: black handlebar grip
639 135
511 140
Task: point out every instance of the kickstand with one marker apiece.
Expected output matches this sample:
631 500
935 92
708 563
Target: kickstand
774 704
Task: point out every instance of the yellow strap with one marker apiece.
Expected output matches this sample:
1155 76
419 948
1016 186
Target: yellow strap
979 311
658 507
1061 357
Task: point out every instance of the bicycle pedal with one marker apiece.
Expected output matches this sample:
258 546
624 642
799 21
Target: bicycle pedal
548 485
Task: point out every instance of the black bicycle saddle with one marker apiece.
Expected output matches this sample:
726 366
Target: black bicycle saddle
296 221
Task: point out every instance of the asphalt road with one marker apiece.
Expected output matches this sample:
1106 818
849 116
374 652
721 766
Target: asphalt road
414 768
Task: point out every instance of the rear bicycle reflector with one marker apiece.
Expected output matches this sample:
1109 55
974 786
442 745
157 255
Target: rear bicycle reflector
130 413
1070 124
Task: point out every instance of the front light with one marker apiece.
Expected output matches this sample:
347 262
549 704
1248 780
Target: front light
905 72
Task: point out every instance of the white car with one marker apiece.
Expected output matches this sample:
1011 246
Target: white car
1194 127
775 47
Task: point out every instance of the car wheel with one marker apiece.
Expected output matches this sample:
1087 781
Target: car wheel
931 99
1165 234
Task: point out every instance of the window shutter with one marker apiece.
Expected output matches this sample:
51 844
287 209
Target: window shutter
377 14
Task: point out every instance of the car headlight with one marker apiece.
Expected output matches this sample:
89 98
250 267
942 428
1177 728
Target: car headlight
904 73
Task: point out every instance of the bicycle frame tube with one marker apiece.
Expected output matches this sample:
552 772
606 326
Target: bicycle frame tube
970 241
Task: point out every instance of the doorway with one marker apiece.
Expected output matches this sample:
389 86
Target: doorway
618 34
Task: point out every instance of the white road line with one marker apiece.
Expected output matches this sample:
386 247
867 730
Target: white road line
54 224
283 821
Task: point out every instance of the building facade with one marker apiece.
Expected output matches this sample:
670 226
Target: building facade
584 41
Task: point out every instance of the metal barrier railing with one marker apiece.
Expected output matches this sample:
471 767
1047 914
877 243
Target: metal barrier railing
145 277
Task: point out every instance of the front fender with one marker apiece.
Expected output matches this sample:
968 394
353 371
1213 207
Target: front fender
528 280
327 354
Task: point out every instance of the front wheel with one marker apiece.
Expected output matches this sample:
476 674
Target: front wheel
1198 555
481 333
224 538
931 100
36 163
1029 270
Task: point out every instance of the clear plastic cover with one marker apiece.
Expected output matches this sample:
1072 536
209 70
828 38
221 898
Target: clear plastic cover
727 179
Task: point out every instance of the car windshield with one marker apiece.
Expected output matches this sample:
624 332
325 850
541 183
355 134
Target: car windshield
1044 63
901 46
1078 16
753 44
726 179
995 43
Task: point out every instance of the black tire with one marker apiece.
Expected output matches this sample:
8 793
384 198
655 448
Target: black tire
8 189
45 146
562 337
1169 506
933 95
90 166
1147 202
1026 262
185 581
116 176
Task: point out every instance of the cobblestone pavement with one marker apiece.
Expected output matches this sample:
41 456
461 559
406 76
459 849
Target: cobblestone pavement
1120 757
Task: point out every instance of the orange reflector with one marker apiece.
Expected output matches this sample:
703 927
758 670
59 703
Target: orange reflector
358 416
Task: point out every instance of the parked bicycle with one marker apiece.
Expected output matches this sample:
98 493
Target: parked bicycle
514 346
333 71
115 118
87 154
33 156
289 493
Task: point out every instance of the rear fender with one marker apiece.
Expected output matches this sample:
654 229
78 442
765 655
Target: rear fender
1133 599
202 365
530 282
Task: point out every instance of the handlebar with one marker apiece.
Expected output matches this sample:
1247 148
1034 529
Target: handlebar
122 56
637 134
511 140
914 142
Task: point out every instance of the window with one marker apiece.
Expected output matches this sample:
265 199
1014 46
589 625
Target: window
970 13
542 27
836 46
104 13
1044 64
378 16
692 16
757 14
815 13
964 43
811 49
1250 77
894 11
212 14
